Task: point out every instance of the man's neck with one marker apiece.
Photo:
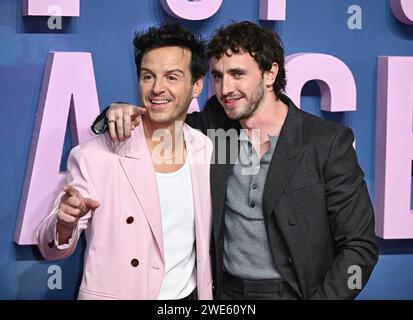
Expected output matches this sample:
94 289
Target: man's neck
169 134
166 144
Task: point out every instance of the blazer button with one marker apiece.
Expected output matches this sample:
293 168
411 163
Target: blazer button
292 222
51 244
130 220
290 260
134 262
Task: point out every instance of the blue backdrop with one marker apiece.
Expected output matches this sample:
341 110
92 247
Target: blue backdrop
105 29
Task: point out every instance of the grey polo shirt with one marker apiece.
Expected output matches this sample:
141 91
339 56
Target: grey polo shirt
246 249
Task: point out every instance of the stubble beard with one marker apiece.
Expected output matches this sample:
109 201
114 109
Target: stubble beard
251 105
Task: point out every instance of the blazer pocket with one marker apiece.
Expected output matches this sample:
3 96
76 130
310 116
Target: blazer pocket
297 183
85 294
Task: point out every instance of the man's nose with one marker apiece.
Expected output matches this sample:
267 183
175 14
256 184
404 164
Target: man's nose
227 86
158 86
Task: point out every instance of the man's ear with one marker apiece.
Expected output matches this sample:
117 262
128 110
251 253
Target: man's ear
271 75
197 87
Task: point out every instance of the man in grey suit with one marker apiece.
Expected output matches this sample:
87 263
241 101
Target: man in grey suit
301 226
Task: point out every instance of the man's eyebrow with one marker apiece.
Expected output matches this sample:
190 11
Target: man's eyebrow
168 71
214 71
233 70
145 69
175 70
236 70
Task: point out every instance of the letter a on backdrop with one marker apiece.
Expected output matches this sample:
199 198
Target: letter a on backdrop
69 84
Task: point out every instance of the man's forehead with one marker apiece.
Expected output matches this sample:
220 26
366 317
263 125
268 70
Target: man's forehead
232 57
166 57
168 51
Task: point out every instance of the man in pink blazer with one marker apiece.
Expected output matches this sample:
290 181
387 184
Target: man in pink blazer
143 202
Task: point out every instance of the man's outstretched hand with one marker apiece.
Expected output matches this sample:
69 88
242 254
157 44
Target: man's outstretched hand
122 119
72 207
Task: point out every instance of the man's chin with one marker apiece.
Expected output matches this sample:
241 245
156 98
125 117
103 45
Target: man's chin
240 113
165 120
159 118
235 115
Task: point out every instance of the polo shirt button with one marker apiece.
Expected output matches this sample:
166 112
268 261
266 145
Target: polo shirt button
292 222
252 205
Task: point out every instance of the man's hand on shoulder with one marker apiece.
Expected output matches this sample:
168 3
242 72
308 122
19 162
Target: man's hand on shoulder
122 119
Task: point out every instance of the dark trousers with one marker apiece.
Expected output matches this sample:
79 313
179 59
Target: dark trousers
192 296
234 288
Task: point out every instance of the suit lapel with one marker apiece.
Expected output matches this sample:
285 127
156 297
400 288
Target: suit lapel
137 166
287 155
198 162
220 172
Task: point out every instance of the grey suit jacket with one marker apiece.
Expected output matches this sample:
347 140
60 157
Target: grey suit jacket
318 214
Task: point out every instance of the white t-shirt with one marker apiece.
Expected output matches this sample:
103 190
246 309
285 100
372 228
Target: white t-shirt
178 226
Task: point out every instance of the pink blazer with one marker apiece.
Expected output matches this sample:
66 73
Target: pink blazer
124 258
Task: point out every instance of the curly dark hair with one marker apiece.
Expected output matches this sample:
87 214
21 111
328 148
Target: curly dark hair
172 34
265 46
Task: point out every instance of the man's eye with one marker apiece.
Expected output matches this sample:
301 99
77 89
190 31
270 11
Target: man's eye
238 75
216 77
147 77
172 78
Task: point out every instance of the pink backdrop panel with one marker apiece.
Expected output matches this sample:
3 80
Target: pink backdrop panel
69 88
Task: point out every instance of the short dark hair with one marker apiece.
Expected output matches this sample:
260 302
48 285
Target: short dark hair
172 34
265 46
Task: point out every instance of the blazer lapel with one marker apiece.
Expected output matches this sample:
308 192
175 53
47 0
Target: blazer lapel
137 166
287 155
198 161
220 172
